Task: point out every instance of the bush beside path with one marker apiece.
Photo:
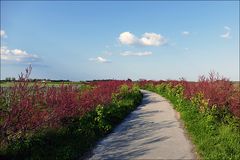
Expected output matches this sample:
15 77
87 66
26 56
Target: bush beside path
150 132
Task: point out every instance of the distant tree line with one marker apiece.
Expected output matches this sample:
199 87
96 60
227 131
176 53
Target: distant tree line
9 79
12 79
96 80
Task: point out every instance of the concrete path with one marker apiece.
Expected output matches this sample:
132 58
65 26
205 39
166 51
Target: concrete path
152 131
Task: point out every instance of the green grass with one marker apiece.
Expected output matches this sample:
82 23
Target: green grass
213 139
215 134
6 84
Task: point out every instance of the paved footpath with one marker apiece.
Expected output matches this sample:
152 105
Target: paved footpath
152 131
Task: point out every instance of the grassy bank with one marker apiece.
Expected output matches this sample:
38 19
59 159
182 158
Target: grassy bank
215 133
77 134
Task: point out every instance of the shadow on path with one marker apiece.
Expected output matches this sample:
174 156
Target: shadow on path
134 136
150 131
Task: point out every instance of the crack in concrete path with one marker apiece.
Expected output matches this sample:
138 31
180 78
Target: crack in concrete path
152 131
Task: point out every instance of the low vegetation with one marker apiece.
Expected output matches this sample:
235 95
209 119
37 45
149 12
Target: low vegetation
64 121
210 110
43 122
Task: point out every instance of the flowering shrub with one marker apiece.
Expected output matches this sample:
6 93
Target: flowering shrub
215 90
27 108
212 128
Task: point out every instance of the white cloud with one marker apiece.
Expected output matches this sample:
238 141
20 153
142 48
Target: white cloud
17 55
100 60
127 38
147 39
3 34
227 33
152 39
185 33
129 53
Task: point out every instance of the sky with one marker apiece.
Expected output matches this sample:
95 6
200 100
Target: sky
155 40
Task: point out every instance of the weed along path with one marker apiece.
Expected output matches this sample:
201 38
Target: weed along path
152 131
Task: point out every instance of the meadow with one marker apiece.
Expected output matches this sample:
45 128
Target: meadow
65 120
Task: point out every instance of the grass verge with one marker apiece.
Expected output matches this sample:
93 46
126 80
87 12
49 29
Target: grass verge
216 134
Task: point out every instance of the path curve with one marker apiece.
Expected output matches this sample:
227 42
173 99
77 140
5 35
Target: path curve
152 131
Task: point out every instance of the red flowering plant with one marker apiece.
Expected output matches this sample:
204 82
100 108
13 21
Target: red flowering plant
27 107
216 91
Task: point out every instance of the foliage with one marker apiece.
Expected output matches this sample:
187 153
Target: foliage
212 124
215 90
62 122
77 134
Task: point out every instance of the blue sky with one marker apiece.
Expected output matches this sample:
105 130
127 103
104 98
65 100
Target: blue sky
120 40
